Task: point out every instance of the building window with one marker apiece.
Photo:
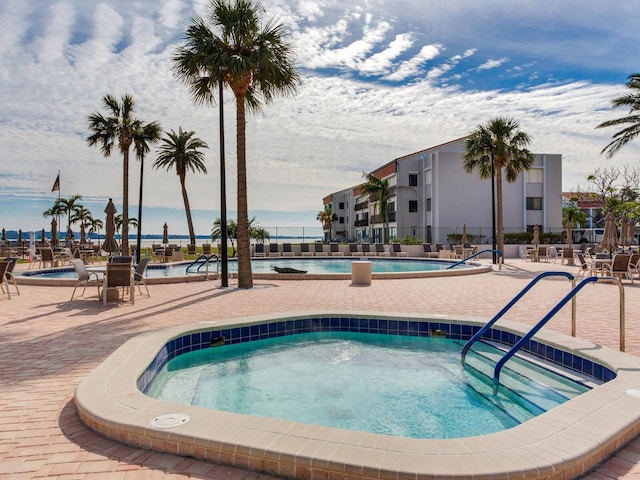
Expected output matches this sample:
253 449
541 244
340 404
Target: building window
341 220
413 179
428 206
391 207
413 205
341 205
534 203
535 175
427 177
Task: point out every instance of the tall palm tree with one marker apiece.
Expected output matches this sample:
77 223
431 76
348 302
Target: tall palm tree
95 225
632 102
182 151
379 192
83 216
131 222
69 207
501 143
232 232
235 48
326 217
120 127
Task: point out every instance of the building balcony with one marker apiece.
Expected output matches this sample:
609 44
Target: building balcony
361 205
362 223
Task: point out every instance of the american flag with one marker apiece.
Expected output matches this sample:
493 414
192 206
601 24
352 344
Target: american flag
56 184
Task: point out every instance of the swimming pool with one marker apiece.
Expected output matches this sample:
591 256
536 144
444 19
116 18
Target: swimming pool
325 378
316 268
564 442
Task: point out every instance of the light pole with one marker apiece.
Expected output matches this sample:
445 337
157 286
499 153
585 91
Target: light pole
223 191
139 239
493 207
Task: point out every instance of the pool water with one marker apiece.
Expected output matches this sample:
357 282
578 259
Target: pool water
398 385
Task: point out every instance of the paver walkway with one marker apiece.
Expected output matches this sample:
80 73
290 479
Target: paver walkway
48 344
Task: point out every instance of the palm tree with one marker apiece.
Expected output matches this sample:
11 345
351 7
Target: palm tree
326 217
131 222
379 192
631 101
95 225
235 48
232 232
69 207
123 128
182 151
498 143
82 215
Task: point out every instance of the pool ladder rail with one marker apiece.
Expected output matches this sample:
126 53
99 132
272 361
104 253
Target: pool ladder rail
497 253
204 260
525 339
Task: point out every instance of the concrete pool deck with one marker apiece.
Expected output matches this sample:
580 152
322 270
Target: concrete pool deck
51 344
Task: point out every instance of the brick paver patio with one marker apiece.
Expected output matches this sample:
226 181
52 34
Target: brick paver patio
48 344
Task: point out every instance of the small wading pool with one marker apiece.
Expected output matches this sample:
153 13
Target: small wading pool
564 442
317 269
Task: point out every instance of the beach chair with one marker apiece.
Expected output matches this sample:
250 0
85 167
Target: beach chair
191 249
396 250
619 266
334 248
380 251
366 249
318 250
273 250
206 248
118 275
286 250
258 250
353 249
84 277
4 283
429 250
305 251
138 275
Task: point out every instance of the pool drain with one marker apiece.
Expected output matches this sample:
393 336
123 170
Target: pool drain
170 420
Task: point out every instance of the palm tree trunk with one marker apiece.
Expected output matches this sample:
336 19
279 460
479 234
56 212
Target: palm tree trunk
498 172
187 209
245 277
125 203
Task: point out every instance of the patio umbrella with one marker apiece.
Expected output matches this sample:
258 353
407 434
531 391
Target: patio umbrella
569 229
110 245
165 234
54 232
610 234
536 235
625 232
464 234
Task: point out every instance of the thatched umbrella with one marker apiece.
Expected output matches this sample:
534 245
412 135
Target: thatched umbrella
536 235
54 232
165 234
569 228
110 245
610 234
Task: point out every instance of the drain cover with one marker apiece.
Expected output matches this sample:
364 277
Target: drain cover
170 420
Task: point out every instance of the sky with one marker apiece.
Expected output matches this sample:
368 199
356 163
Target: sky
380 79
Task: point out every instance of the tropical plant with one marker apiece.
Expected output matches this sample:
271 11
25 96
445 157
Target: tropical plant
182 151
632 121
234 47
68 206
121 127
232 232
131 221
379 193
493 147
95 225
326 217
82 216
575 215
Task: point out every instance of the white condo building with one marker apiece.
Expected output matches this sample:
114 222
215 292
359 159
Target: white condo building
434 197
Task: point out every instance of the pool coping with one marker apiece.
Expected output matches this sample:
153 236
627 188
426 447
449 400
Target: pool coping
26 277
563 443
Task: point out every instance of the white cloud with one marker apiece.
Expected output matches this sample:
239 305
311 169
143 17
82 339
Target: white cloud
491 64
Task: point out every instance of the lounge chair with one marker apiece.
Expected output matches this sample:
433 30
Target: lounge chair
138 275
84 276
619 266
396 250
335 250
206 248
4 266
258 250
191 249
366 249
429 251
273 250
9 276
353 249
305 251
118 275
458 251
286 250
380 251
318 250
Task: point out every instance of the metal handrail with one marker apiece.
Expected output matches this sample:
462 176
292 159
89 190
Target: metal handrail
504 310
460 262
203 260
520 343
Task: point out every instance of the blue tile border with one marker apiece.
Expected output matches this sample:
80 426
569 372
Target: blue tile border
385 326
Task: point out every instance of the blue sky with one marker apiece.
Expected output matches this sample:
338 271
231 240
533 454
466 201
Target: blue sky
380 79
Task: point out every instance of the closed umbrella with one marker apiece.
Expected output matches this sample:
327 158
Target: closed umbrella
625 231
165 234
569 229
536 235
110 245
20 237
54 232
464 233
610 234
4 235
83 240
43 236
